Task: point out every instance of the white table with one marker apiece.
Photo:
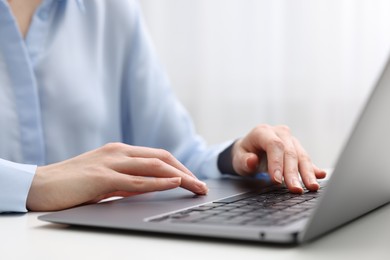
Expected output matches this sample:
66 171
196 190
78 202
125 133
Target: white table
25 237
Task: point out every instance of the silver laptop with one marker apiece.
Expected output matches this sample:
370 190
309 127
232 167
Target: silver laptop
254 209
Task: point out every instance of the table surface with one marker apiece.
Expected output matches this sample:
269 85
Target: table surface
23 236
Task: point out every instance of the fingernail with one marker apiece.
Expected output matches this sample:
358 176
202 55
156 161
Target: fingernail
295 186
278 176
314 184
296 183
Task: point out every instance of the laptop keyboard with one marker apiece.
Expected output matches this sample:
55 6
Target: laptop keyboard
276 207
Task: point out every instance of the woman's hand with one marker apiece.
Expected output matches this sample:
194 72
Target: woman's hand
275 150
115 169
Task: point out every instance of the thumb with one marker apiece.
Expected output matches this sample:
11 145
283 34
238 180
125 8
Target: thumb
245 163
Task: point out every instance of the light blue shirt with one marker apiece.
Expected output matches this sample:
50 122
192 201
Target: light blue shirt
86 74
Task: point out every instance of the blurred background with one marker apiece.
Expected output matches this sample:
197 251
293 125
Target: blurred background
307 64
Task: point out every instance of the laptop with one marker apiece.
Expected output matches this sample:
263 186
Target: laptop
255 210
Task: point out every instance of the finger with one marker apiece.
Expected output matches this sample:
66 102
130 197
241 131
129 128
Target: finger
306 168
264 138
320 173
153 167
309 172
245 163
250 163
145 152
144 184
161 154
290 170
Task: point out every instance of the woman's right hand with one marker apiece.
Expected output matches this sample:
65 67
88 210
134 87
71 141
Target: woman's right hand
115 169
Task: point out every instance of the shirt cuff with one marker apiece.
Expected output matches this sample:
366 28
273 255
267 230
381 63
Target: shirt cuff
225 161
15 183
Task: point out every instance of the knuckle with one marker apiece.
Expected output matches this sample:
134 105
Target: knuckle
278 143
155 163
304 157
261 128
276 162
138 182
290 154
113 147
284 128
111 160
165 155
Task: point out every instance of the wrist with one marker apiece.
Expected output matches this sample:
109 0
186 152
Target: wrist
225 160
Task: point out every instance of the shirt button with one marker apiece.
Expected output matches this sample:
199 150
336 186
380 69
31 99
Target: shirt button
43 14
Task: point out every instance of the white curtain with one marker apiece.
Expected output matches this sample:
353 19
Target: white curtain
308 64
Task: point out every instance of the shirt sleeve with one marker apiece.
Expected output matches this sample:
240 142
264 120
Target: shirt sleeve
156 117
15 183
